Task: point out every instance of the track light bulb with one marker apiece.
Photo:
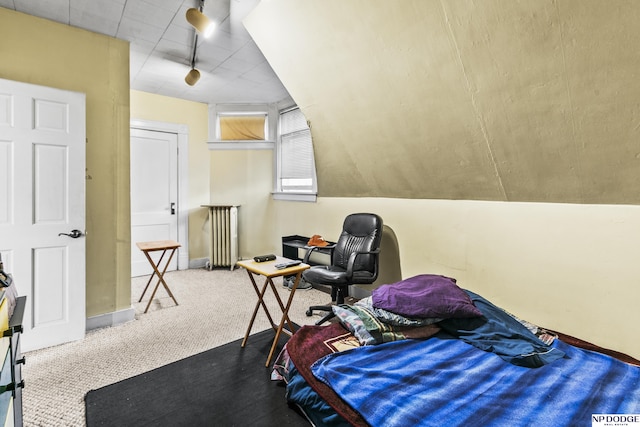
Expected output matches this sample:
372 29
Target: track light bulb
200 22
192 77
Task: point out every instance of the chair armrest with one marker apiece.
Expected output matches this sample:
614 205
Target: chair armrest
352 260
310 249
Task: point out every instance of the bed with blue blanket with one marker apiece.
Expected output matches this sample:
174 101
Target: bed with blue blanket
426 367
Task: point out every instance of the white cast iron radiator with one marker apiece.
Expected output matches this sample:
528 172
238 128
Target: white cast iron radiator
223 222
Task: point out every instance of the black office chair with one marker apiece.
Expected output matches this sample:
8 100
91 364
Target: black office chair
354 260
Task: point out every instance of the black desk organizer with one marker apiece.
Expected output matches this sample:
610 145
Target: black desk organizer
290 249
292 244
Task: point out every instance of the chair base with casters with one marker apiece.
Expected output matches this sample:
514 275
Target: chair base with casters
354 260
338 295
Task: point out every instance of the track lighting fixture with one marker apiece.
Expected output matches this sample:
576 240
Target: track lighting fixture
192 77
200 21
205 26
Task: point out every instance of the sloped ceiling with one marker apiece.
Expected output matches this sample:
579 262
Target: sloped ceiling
448 99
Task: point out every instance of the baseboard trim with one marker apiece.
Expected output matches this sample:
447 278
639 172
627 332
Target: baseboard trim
110 319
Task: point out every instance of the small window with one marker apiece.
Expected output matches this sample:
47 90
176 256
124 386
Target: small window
242 126
296 171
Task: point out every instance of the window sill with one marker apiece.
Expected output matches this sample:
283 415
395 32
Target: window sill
295 197
241 145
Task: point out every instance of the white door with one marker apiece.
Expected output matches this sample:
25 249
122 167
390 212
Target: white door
42 198
154 194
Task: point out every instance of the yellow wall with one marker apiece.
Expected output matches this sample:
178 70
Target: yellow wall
568 267
515 102
528 101
244 178
146 106
42 52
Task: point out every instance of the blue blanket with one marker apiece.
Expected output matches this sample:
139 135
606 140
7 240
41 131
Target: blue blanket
445 381
498 332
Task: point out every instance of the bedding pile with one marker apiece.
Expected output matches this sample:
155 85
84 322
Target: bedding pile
424 352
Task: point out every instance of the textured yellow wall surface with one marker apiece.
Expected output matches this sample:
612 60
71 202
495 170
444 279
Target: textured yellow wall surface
480 100
42 52
505 129
498 139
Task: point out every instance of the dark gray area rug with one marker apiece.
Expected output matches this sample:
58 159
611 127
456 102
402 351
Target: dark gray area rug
224 386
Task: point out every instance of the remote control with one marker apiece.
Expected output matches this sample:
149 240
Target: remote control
287 264
264 258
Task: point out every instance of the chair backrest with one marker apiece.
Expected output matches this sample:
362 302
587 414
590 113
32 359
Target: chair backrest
361 232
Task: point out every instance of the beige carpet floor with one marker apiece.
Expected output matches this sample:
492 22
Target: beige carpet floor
215 308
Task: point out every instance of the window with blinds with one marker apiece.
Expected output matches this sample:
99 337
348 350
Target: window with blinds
296 167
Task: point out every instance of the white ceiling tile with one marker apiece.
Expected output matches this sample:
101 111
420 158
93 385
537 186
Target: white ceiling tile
95 23
133 30
142 47
107 9
250 53
149 13
136 62
237 64
161 43
227 40
225 74
216 9
170 5
262 74
179 33
55 10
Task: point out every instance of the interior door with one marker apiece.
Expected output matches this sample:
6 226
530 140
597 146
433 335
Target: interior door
42 200
154 194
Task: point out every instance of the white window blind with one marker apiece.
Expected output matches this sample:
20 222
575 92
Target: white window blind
296 168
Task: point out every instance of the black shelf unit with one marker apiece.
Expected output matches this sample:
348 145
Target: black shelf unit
291 246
